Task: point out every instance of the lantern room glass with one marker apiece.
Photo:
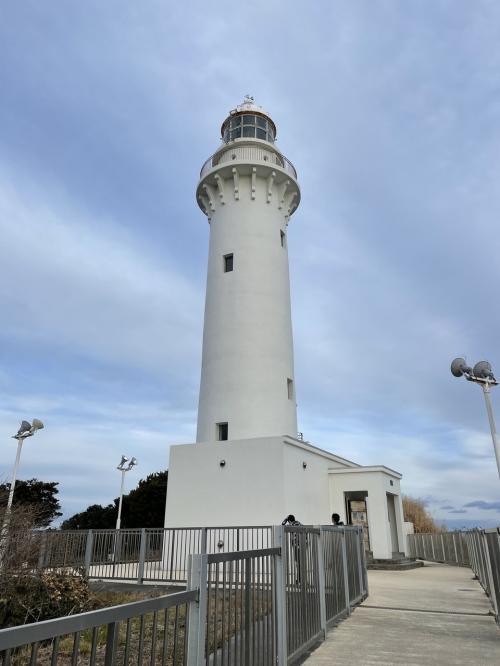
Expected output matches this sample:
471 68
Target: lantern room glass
248 126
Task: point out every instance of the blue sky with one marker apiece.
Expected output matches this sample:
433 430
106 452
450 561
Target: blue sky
390 112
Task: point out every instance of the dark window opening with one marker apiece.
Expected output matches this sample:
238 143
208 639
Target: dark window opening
282 236
222 432
249 131
228 263
289 386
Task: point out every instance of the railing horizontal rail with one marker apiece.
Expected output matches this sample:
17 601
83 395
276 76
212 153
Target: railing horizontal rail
41 631
242 555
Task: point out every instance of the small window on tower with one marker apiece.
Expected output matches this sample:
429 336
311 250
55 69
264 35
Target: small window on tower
222 432
282 236
289 385
228 263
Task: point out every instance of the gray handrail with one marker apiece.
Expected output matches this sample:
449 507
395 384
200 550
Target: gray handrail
287 596
41 631
241 555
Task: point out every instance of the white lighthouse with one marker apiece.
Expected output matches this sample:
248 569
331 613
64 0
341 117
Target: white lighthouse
248 465
248 190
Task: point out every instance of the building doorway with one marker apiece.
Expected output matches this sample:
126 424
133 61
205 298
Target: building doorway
357 513
391 513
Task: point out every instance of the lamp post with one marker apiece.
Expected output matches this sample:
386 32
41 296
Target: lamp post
481 374
123 467
26 430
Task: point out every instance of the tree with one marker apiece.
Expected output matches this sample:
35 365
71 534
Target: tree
41 496
416 513
26 593
144 506
95 517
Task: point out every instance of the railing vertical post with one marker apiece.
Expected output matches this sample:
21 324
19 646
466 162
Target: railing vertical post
280 569
43 550
321 580
433 550
172 546
346 576
442 546
455 547
475 567
197 612
495 561
88 551
142 556
365 571
203 544
248 609
489 573
360 565
111 642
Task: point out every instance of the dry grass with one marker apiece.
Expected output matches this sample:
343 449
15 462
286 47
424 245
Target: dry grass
416 513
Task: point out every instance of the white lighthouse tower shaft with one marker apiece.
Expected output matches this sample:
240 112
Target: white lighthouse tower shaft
248 191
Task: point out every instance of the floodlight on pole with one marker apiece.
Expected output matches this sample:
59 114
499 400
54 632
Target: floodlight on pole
123 468
26 429
481 374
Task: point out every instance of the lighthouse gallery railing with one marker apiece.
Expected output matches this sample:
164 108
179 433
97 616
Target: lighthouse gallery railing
248 152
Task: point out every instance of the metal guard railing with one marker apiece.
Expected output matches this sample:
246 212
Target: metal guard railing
254 607
478 549
248 152
155 628
159 554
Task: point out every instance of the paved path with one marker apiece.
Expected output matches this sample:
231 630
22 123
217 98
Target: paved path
433 616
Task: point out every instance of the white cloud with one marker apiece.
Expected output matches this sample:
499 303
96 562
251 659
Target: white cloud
81 449
90 286
391 116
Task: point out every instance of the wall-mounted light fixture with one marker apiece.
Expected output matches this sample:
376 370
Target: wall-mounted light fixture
304 464
222 463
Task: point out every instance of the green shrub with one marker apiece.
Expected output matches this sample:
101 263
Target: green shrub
33 598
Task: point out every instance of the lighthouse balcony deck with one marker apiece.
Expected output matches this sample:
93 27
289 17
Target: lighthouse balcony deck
252 151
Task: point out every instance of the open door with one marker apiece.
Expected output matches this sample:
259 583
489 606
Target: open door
357 513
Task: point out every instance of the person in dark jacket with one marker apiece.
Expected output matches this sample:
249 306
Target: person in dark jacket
290 520
295 548
336 520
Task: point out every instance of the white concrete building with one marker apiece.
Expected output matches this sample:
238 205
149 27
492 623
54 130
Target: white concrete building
249 467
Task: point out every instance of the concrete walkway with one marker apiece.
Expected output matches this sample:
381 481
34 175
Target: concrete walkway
433 616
